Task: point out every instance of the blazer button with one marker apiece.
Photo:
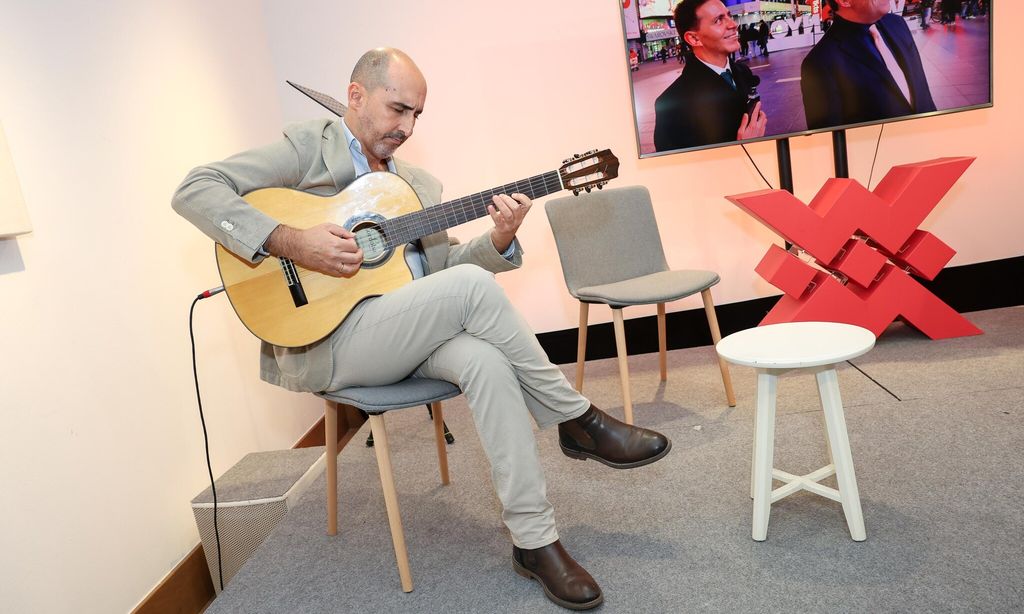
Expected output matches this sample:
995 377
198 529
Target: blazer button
226 225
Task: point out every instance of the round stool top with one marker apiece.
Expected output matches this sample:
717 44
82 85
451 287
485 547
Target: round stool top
793 345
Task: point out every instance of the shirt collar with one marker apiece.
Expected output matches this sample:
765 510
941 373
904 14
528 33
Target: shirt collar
359 161
853 25
718 69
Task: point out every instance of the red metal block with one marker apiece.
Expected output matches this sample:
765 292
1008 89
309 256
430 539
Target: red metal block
858 262
785 271
924 254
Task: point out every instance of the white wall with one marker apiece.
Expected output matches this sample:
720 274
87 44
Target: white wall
106 106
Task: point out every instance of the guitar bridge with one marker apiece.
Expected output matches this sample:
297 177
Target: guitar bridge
291 277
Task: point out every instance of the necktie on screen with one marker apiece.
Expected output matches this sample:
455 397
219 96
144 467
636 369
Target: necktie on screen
727 75
890 62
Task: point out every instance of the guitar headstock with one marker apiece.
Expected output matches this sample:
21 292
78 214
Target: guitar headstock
589 170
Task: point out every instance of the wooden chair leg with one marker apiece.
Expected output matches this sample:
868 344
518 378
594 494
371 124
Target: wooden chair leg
662 343
387 483
581 348
442 451
716 336
620 348
331 439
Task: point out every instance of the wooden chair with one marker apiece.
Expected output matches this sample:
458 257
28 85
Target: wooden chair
611 253
376 401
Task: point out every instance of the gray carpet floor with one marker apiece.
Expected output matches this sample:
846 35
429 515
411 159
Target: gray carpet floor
937 432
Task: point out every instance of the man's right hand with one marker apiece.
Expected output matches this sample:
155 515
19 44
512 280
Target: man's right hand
327 248
752 128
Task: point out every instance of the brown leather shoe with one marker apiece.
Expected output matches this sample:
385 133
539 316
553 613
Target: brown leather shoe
597 435
563 579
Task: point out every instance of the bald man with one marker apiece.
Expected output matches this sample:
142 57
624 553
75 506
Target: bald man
453 322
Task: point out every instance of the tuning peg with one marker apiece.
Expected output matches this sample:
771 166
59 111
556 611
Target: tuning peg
567 160
591 152
575 191
588 189
600 185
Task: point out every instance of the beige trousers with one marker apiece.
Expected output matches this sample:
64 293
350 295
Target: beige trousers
458 325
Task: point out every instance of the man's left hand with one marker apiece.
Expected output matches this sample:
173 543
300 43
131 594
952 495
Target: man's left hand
508 213
752 126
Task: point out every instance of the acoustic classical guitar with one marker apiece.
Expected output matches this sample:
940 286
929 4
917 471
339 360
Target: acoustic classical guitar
286 305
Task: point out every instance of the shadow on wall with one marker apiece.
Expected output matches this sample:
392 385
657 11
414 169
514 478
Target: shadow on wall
10 257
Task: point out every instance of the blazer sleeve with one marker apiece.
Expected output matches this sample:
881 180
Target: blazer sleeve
822 104
671 129
210 195
481 252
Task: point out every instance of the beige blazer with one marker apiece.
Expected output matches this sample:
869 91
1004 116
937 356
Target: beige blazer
313 157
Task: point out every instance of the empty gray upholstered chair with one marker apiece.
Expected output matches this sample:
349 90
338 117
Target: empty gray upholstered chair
611 253
376 401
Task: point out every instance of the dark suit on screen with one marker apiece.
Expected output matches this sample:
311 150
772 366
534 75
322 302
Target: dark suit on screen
845 81
700 107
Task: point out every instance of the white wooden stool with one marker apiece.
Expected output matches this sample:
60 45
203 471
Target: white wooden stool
817 347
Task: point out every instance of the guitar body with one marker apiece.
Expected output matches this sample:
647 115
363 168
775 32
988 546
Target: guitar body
259 293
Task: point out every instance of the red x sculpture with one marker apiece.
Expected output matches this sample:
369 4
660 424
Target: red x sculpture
865 245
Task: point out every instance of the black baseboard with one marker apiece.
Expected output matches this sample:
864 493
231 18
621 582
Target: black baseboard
972 287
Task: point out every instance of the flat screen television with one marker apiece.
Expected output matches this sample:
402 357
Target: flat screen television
808 79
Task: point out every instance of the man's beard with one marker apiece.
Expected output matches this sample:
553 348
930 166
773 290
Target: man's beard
383 149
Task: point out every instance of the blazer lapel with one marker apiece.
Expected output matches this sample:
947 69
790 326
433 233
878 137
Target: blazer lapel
714 81
899 46
336 155
855 46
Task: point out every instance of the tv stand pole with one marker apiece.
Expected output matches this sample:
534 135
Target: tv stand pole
785 165
839 154
785 170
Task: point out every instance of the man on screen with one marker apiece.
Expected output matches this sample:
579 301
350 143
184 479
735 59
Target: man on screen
707 104
865 68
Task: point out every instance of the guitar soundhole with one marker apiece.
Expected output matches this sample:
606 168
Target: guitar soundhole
373 242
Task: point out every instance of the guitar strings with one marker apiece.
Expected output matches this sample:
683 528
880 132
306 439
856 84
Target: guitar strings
405 228
476 205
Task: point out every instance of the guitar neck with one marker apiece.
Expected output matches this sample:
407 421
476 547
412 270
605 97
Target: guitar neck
412 226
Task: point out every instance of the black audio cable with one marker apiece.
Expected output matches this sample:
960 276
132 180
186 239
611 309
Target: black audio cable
202 420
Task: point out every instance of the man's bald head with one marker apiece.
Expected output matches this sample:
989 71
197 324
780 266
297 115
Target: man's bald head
371 71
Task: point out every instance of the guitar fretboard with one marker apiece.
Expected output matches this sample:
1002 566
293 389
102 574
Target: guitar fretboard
411 226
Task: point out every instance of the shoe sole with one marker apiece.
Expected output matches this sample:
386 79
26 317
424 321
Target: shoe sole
526 573
581 455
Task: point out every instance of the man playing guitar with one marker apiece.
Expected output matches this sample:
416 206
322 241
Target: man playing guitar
452 322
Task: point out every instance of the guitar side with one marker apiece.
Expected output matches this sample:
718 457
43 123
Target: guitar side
259 293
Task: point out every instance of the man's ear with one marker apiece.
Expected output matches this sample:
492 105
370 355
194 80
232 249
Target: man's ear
356 95
692 39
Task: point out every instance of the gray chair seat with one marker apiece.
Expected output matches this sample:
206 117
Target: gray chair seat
409 392
649 289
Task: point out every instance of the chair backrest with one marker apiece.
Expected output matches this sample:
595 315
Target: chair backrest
606 236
